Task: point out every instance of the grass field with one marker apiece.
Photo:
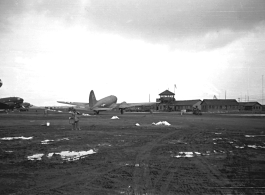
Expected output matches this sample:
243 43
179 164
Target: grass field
207 154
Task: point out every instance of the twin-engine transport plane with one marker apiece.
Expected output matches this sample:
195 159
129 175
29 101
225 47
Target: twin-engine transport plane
104 104
11 103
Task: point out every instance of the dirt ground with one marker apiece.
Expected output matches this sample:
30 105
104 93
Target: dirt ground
207 154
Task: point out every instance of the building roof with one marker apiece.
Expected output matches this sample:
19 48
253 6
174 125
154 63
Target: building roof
249 103
186 102
220 102
167 92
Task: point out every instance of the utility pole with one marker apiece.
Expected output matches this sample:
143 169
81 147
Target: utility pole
225 94
149 97
262 91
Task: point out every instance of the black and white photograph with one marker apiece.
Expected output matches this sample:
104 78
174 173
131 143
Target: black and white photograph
132 97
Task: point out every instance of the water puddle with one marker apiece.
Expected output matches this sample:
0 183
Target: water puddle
115 117
63 139
250 146
49 141
35 157
255 146
162 123
194 154
187 154
46 141
240 147
217 138
12 138
254 135
65 155
105 144
217 133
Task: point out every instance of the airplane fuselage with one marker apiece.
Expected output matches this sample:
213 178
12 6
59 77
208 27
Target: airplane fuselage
106 102
11 102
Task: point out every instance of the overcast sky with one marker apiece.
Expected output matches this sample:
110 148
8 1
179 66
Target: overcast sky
61 49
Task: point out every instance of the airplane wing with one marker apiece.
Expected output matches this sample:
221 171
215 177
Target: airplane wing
124 105
102 109
74 103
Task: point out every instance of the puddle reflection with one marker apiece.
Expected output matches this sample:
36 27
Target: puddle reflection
12 138
65 155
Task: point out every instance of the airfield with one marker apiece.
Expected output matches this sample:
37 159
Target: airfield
196 154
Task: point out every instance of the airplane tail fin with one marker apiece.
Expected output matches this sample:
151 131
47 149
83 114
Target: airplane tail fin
92 99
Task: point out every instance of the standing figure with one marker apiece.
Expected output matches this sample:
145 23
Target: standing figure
75 119
46 112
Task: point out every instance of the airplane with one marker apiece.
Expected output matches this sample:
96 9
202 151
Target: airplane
25 106
11 103
104 104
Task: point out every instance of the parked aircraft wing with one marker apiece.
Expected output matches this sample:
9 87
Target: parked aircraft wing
124 105
74 103
102 109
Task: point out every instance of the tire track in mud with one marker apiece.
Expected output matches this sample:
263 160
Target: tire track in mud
168 181
84 176
212 174
211 178
56 184
141 176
